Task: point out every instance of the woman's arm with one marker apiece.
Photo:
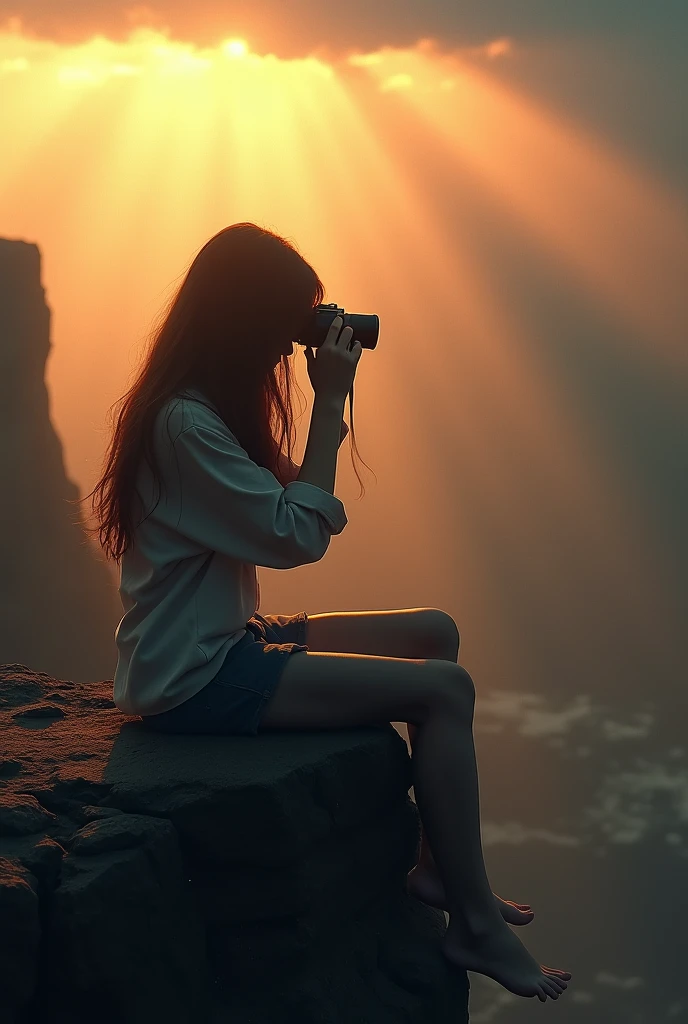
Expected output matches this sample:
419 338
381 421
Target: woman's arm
290 471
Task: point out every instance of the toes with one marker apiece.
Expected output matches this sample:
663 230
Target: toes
521 913
553 970
551 989
519 906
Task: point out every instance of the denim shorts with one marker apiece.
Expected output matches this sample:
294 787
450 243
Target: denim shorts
233 701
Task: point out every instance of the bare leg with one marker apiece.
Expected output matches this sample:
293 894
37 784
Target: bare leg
425 882
445 781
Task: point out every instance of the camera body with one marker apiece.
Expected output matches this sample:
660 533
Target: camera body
366 326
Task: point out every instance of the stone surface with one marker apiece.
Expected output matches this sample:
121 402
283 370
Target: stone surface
59 605
146 877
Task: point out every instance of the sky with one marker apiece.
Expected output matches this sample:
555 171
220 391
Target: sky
358 24
505 185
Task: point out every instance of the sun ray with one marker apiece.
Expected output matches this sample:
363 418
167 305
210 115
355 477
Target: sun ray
624 234
151 144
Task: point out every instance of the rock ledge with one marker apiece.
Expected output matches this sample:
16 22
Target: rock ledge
192 879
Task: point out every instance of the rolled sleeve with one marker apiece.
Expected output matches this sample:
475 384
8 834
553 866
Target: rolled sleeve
321 501
229 503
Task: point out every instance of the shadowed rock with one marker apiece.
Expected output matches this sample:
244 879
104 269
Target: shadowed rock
59 605
191 879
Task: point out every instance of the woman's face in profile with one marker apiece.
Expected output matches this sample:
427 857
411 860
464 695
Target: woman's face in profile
287 337
284 345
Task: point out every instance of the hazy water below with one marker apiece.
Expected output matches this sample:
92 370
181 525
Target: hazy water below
584 816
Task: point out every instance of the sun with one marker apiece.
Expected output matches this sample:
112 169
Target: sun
235 48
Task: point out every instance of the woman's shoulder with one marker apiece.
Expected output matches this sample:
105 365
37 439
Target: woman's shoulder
190 408
197 397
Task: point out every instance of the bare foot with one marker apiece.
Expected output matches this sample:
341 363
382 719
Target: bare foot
498 953
427 886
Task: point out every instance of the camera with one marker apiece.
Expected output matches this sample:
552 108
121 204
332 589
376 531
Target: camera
366 326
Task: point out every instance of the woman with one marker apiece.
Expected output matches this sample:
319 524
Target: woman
194 656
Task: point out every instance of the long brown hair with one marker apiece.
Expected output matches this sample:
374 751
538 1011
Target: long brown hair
247 292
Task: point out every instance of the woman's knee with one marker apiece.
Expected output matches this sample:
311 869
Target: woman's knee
451 687
441 631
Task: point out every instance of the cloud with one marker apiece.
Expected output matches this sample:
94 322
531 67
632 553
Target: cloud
361 25
630 804
496 48
606 978
514 833
531 716
529 713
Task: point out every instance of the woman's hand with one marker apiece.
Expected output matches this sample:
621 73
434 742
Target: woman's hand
332 368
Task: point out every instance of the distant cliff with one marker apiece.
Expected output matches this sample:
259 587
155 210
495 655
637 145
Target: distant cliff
59 605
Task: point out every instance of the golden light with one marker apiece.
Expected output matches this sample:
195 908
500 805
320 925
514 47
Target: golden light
498 48
235 48
396 82
126 157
